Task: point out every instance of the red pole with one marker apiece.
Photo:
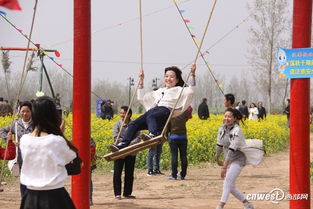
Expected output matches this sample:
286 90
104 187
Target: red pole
81 101
299 111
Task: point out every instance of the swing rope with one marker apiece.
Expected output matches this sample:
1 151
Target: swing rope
199 47
222 37
21 83
141 65
197 55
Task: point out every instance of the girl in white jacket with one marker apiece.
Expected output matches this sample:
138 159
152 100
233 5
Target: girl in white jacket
253 112
45 153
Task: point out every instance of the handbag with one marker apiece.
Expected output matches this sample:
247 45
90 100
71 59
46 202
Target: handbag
13 164
254 151
74 167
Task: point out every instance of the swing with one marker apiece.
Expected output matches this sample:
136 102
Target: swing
160 138
135 148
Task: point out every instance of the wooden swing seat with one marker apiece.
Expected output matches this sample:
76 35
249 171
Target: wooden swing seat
135 148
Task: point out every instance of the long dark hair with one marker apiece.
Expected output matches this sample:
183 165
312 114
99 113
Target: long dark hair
46 118
236 113
178 73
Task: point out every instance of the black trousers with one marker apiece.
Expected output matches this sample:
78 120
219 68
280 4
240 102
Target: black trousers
129 163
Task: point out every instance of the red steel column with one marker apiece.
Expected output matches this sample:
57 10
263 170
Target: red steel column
81 99
299 110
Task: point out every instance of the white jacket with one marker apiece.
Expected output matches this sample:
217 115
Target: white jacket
44 160
167 97
253 113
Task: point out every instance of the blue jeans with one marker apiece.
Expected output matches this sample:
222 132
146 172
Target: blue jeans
153 120
154 155
181 146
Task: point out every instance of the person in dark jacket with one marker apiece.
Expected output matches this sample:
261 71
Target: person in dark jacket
5 108
244 109
178 143
203 110
262 111
106 110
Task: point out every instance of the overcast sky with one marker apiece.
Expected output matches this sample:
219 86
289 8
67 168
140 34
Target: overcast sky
115 35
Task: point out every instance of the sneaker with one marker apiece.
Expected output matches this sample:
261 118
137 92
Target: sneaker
118 197
151 173
158 172
113 148
180 177
146 137
129 197
218 207
248 205
171 178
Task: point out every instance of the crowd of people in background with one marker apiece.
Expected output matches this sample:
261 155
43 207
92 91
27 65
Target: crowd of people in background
253 112
5 108
24 129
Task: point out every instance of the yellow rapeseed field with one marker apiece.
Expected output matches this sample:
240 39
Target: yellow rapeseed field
201 137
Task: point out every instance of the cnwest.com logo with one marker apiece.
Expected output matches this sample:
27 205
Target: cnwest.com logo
276 195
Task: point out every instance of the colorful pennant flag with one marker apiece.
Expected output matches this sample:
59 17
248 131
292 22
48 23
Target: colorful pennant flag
3 13
10 4
57 53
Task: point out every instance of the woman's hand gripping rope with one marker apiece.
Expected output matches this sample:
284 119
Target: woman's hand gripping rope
141 78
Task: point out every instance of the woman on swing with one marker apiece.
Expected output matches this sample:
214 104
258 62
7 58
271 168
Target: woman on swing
159 104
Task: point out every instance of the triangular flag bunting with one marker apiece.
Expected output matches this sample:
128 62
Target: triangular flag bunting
10 4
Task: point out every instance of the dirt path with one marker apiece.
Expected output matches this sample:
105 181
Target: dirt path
201 189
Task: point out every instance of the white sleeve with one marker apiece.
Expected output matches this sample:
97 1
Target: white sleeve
65 154
146 99
236 139
219 144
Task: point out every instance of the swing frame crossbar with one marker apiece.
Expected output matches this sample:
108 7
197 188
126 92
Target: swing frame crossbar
41 54
135 148
26 49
